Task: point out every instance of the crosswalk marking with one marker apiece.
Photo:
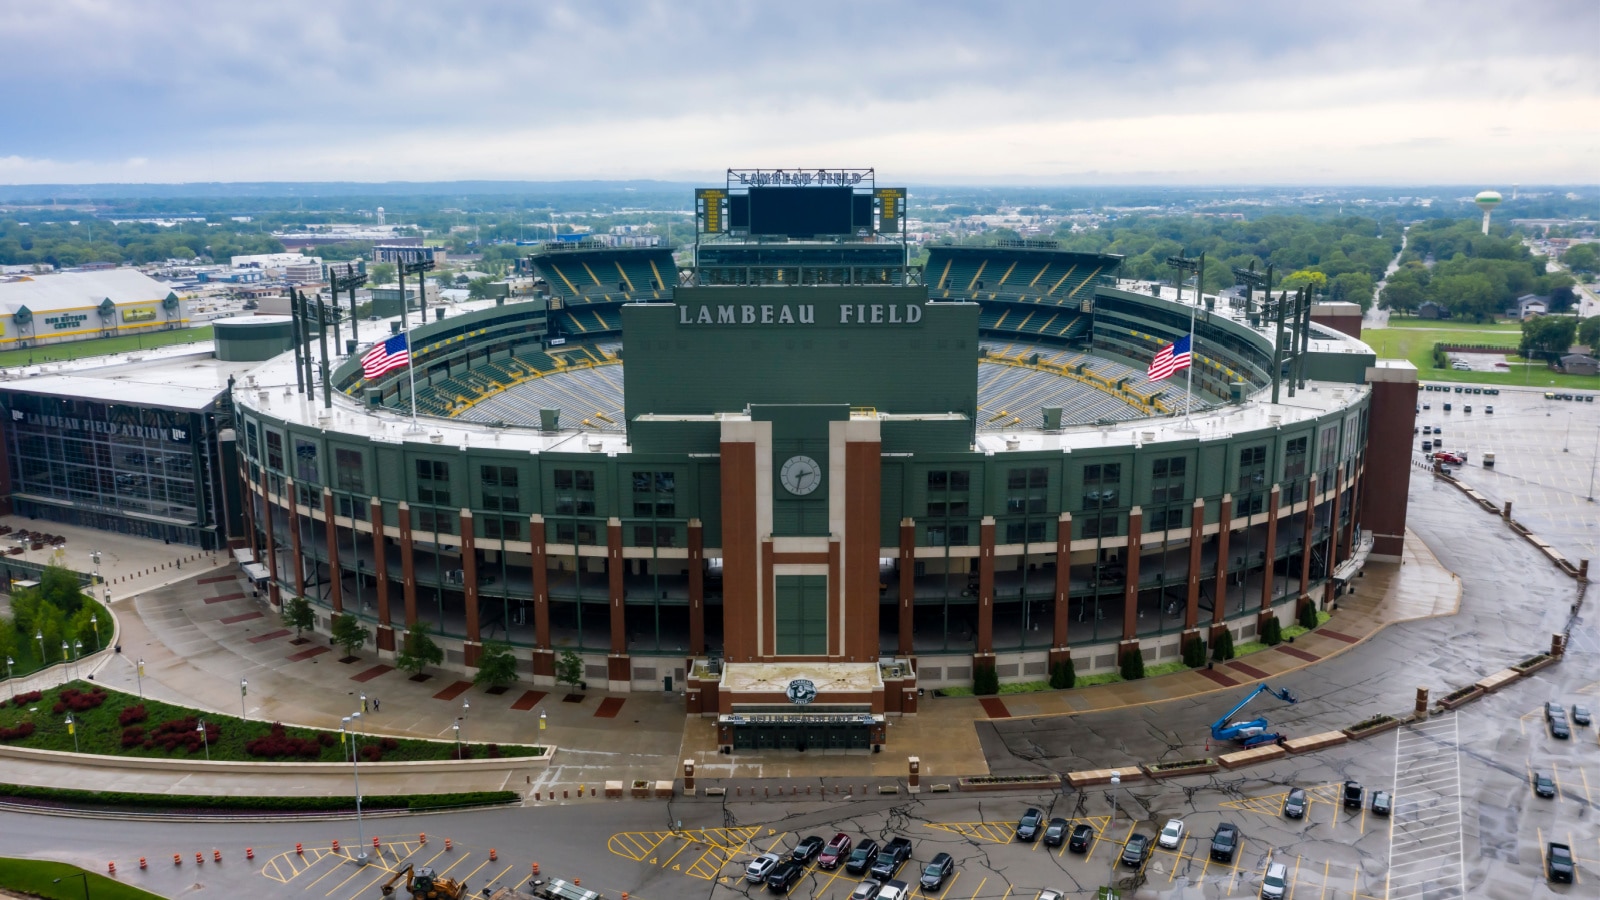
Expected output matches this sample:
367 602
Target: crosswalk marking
1426 856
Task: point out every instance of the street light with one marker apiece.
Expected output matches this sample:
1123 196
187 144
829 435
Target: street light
244 688
72 729
140 676
94 625
541 720
457 728
85 877
363 702
40 638
9 663
66 659
77 654
204 738
355 771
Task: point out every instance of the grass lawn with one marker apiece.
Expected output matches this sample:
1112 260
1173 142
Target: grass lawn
103 346
1453 325
25 656
100 731
1416 344
34 876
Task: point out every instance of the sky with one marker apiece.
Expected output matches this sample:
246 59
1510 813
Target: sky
1065 92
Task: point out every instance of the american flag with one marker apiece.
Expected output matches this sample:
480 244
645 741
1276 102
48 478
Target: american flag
392 354
1172 358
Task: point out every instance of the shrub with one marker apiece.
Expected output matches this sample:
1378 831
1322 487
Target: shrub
1222 646
278 744
174 801
1132 664
29 697
18 733
1063 675
389 744
132 715
79 701
372 753
1308 615
1272 632
133 736
985 680
493 751
326 739
1194 652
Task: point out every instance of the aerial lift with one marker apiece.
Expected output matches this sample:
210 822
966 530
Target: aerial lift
1249 732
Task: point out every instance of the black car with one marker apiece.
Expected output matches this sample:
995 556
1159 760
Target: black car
1544 785
934 873
1353 793
1560 729
889 859
1294 805
784 876
1055 833
1082 837
1558 862
861 857
1580 714
1553 710
1135 850
807 849
1382 803
1028 825
1225 842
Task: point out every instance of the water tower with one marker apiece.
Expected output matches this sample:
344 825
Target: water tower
1487 201
380 211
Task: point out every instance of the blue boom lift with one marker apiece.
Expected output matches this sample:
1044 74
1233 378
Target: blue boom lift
1250 732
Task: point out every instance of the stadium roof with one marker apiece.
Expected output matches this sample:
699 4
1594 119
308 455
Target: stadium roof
81 290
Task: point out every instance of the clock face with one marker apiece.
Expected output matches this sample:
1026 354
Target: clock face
800 475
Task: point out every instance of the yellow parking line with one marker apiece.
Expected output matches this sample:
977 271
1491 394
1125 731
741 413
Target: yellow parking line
342 860
464 858
1586 795
948 888
473 872
686 845
360 870
1007 893
1555 775
981 883
501 875
1238 852
1325 866
1294 880
1576 878
366 887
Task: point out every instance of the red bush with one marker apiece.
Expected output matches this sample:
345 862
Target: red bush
29 697
133 735
132 715
326 739
372 753
172 735
279 744
17 733
493 751
389 744
80 701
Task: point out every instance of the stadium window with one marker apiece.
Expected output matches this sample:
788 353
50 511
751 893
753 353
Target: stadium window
433 482
275 451
250 440
1030 532
436 521
1327 456
1167 519
305 462
655 536
496 528
1025 490
1100 484
574 489
1294 467
349 471
500 488
655 494
569 533
1098 526
353 508
1252 469
1167 477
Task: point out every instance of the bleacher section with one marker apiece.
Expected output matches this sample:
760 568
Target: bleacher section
590 273
1030 292
461 394
589 321
586 387
1016 379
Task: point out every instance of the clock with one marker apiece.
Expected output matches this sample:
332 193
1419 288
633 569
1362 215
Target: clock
800 475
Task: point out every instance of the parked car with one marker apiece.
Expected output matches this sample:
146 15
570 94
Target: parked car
1559 728
837 851
1276 882
1489 410
1382 803
1294 805
893 890
1056 832
1544 785
1082 837
1553 710
889 860
1136 850
761 867
1353 794
1225 842
1048 894
1454 459
1028 825
783 876
866 890
1171 835
1580 714
808 847
935 872
1558 862
861 857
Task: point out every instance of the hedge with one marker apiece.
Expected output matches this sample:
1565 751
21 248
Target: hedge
369 802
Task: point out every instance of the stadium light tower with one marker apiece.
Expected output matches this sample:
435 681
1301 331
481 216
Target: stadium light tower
348 277
416 266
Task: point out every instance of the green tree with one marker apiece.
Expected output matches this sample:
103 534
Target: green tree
1470 295
1581 258
569 669
417 650
479 288
297 614
1272 632
1308 615
349 633
1063 675
497 665
1589 333
1194 652
1406 289
1547 335
1352 287
1222 646
1132 664
985 680
380 273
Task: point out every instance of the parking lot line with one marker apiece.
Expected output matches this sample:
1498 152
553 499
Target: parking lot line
1588 798
474 871
502 874
1326 865
365 888
1576 878
1555 775
1238 853
981 883
948 888
686 845
360 870
343 858
1294 880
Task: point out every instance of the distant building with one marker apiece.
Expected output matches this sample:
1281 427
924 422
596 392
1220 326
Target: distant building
1580 364
75 306
1432 310
1528 305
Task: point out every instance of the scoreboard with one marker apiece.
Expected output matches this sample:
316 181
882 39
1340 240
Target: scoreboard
800 204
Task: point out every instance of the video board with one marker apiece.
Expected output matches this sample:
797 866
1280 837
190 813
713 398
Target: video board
800 204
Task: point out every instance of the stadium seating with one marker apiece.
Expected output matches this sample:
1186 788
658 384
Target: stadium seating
1052 278
608 275
596 320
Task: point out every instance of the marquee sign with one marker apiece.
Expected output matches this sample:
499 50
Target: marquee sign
800 177
65 321
139 314
796 314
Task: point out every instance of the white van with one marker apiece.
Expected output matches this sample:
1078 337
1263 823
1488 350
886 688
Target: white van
1276 884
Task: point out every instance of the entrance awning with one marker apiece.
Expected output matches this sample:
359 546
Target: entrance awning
256 572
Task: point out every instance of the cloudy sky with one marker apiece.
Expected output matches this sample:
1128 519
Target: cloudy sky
1059 91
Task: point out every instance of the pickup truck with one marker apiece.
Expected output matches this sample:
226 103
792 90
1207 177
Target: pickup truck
893 855
1559 865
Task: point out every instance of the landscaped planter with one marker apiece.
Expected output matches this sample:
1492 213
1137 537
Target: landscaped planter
1461 698
1181 767
1010 782
641 789
1372 726
664 790
1089 777
1534 663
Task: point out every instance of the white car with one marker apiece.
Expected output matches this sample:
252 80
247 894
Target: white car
1276 882
892 890
761 867
866 890
1172 835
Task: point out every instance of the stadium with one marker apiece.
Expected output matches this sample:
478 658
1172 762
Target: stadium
799 471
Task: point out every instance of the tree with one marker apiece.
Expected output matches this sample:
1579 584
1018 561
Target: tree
349 633
1352 287
1222 646
1465 295
1308 615
1132 664
1194 652
1063 675
479 288
1547 335
1406 290
497 665
1581 258
1272 632
297 614
381 273
417 650
1589 333
569 669
985 680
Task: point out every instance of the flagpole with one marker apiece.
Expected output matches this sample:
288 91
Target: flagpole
1188 372
411 375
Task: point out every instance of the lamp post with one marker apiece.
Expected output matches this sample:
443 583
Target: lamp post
244 688
66 660
1592 464
1116 782
94 625
40 638
457 728
541 720
9 663
72 729
355 771
204 738
363 702
85 877
139 673
77 654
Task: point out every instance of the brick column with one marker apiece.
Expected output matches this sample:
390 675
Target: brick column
1269 564
908 588
544 655
697 588
1308 521
1333 533
294 538
1130 584
331 532
1191 610
252 523
380 563
1349 541
472 647
1219 602
617 665
408 568
273 593
986 587
1386 476
1059 651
